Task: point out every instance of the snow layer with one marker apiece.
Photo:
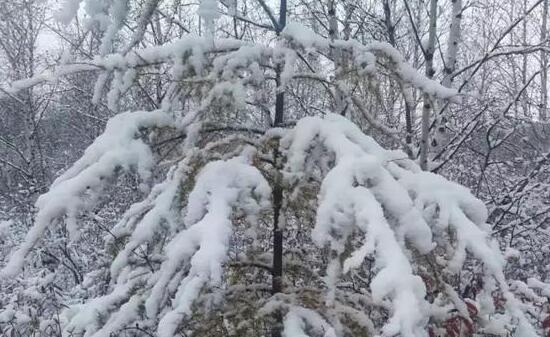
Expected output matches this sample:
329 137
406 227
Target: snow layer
68 11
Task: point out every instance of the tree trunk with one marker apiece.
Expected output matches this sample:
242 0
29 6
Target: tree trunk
405 89
278 220
452 43
524 103
544 65
337 58
427 107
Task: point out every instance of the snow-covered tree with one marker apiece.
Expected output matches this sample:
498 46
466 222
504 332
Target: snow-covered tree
256 220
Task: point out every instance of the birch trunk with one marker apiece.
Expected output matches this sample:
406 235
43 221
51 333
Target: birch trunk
339 104
427 107
453 41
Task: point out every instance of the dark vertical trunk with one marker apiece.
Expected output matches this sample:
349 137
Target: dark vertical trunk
408 124
389 24
277 271
279 101
280 98
276 286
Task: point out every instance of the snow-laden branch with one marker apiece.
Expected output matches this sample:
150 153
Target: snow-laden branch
393 202
119 147
202 244
191 53
191 49
352 195
220 187
298 318
364 57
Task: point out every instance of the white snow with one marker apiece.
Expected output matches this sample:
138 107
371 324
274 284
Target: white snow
118 12
68 11
208 11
